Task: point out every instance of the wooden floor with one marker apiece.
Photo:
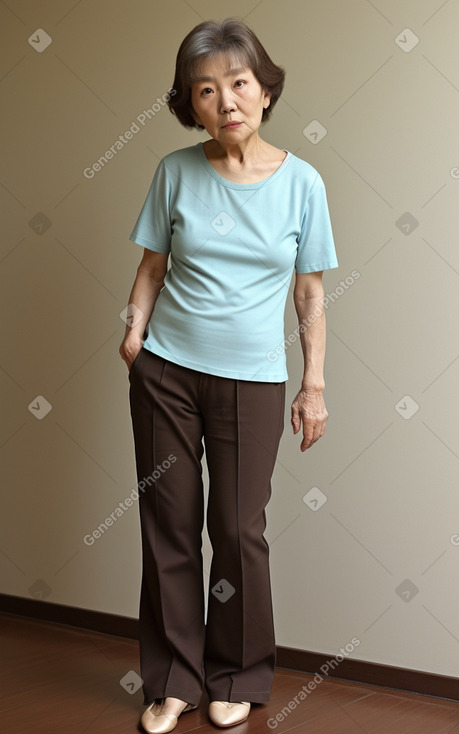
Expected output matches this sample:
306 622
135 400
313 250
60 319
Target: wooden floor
60 680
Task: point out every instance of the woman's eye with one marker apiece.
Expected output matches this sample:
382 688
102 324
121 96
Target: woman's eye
206 91
239 83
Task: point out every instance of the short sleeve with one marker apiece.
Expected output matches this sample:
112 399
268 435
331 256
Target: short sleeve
316 247
153 227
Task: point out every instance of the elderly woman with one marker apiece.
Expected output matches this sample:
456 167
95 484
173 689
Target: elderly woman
207 369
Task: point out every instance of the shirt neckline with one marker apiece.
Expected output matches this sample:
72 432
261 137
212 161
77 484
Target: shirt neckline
241 186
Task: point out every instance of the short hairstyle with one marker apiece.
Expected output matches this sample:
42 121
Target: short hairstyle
206 40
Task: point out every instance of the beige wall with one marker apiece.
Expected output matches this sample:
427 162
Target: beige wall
390 157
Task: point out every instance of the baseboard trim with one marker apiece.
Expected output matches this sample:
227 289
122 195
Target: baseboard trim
375 674
359 671
87 619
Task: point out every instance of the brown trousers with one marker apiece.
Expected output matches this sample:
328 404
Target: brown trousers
173 410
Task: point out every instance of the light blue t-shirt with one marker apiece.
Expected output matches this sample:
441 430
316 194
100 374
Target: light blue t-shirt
233 249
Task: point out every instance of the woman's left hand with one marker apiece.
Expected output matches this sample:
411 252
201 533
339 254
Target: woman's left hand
309 409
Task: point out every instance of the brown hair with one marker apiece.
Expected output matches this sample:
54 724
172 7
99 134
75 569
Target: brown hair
208 39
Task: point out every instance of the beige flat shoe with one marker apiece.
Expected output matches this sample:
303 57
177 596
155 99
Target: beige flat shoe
227 713
161 723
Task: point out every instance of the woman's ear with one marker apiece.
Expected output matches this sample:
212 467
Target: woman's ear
267 99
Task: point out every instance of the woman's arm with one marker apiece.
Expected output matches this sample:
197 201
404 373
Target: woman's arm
308 407
147 285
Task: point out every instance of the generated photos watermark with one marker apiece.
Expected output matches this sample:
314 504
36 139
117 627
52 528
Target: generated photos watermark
90 538
344 285
274 721
128 135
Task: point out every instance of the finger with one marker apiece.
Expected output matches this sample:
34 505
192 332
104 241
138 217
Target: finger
308 434
312 431
296 420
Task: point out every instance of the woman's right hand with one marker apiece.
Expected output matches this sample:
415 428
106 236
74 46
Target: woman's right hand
147 286
129 348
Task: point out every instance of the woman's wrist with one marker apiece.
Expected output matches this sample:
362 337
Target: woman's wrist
317 386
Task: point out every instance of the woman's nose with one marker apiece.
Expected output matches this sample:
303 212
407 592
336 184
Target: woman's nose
227 103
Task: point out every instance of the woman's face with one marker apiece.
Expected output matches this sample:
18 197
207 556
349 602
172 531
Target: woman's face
228 100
